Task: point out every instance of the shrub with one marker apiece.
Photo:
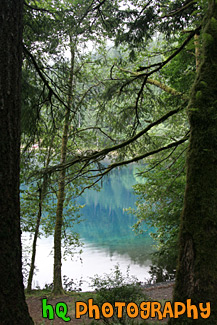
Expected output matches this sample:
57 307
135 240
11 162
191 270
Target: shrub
115 287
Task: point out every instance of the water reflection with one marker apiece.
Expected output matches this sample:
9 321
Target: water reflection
106 223
94 260
106 232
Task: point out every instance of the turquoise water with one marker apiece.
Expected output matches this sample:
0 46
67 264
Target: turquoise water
106 232
107 224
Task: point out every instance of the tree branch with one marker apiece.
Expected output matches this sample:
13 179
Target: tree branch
46 83
175 12
137 158
166 88
160 65
95 128
96 155
38 9
156 83
99 5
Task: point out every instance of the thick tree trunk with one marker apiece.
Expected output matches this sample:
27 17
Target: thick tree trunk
197 270
57 277
13 308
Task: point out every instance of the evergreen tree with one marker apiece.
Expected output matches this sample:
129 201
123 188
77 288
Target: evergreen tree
197 270
13 308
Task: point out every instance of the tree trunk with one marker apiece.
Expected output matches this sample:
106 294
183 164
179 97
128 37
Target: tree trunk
197 269
42 194
32 265
57 277
13 308
197 51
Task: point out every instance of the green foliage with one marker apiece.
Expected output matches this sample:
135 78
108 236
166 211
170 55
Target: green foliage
110 103
159 204
208 38
29 212
199 95
180 73
115 287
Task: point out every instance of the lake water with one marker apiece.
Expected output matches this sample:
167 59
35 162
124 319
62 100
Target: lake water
107 235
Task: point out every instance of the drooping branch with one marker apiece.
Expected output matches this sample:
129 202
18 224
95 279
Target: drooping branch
39 9
82 172
160 65
155 68
138 158
98 129
102 153
175 12
158 84
46 83
154 82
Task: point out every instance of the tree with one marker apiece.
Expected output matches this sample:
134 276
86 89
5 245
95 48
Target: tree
80 27
197 269
13 308
196 274
159 205
160 194
57 278
42 191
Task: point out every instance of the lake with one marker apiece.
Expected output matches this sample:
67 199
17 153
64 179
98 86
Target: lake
106 233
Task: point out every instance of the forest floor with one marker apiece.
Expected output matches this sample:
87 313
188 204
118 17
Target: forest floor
160 293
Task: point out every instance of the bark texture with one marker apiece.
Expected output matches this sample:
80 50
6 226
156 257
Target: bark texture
13 308
57 276
197 51
197 269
